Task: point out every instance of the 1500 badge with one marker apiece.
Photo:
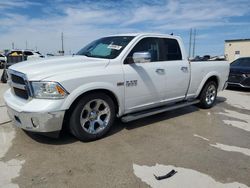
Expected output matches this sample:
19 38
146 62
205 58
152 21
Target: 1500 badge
131 83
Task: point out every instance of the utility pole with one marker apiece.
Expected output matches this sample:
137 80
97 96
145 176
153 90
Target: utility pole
13 45
194 42
190 43
62 44
26 44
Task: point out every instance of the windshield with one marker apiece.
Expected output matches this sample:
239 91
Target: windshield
108 47
242 62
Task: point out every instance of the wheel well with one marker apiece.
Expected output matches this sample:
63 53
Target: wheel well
71 108
212 78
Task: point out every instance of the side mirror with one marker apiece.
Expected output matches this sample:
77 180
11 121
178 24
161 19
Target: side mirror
141 57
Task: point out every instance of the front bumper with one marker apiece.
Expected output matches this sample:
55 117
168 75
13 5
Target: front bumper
37 122
239 80
237 85
36 115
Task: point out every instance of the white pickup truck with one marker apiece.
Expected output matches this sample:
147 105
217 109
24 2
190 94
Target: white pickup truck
128 76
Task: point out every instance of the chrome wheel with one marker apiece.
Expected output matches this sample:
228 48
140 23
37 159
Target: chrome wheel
95 116
210 94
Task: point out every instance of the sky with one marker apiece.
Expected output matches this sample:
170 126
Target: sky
40 23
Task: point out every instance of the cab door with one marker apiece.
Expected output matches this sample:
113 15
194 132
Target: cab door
177 71
145 83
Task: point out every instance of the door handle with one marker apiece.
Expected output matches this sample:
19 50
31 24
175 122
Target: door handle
160 71
184 69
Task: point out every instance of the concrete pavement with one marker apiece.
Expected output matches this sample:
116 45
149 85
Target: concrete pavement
208 148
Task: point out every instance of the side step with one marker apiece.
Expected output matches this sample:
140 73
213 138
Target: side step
150 112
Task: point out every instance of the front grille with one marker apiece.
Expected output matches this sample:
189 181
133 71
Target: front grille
21 93
17 79
246 82
18 84
235 78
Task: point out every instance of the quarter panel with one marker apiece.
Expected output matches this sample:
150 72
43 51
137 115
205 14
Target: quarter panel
201 71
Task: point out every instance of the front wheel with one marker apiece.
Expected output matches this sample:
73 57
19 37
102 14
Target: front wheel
208 95
92 117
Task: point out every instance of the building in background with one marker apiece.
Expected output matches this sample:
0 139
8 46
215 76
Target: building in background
237 48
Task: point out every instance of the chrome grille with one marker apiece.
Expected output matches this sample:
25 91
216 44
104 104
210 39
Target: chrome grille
19 84
17 79
235 78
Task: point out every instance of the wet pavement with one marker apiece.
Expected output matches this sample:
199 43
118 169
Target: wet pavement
207 148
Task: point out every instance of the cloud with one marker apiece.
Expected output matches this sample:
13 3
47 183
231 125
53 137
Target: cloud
82 21
11 4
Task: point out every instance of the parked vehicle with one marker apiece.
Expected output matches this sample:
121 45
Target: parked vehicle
16 56
127 76
2 60
240 73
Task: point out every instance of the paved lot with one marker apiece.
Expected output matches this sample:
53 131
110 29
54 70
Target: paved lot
207 148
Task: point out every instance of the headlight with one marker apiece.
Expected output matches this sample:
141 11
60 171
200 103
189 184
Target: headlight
48 90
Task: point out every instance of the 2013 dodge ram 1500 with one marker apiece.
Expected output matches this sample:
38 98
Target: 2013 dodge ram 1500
128 76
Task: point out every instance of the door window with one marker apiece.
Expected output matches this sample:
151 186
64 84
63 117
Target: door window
149 44
171 50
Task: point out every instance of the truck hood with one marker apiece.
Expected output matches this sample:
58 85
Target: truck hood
48 67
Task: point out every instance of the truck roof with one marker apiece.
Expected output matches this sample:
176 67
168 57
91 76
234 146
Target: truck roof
146 34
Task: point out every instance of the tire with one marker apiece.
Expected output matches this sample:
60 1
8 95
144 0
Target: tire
4 76
92 117
208 95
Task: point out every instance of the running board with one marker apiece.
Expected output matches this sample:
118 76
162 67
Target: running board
150 112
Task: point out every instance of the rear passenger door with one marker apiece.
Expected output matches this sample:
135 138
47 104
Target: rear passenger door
177 70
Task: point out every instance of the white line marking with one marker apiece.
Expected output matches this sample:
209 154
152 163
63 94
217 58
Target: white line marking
244 151
236 99
244 124
8 170
184 177
203 138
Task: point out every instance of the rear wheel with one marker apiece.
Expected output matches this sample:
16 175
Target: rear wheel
92 117
208 95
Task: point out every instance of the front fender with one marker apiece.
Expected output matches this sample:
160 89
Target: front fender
119 94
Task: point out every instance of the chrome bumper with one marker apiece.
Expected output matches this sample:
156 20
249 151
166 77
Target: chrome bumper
37 122
237 84
225 86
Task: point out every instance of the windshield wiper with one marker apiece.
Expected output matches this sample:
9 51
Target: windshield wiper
87 54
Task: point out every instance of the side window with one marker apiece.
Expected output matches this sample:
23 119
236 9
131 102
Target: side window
151 45
171 50
28 53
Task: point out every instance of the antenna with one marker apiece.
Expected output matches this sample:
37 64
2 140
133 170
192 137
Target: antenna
190 43
194 42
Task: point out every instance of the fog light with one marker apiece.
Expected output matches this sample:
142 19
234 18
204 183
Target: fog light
35 122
